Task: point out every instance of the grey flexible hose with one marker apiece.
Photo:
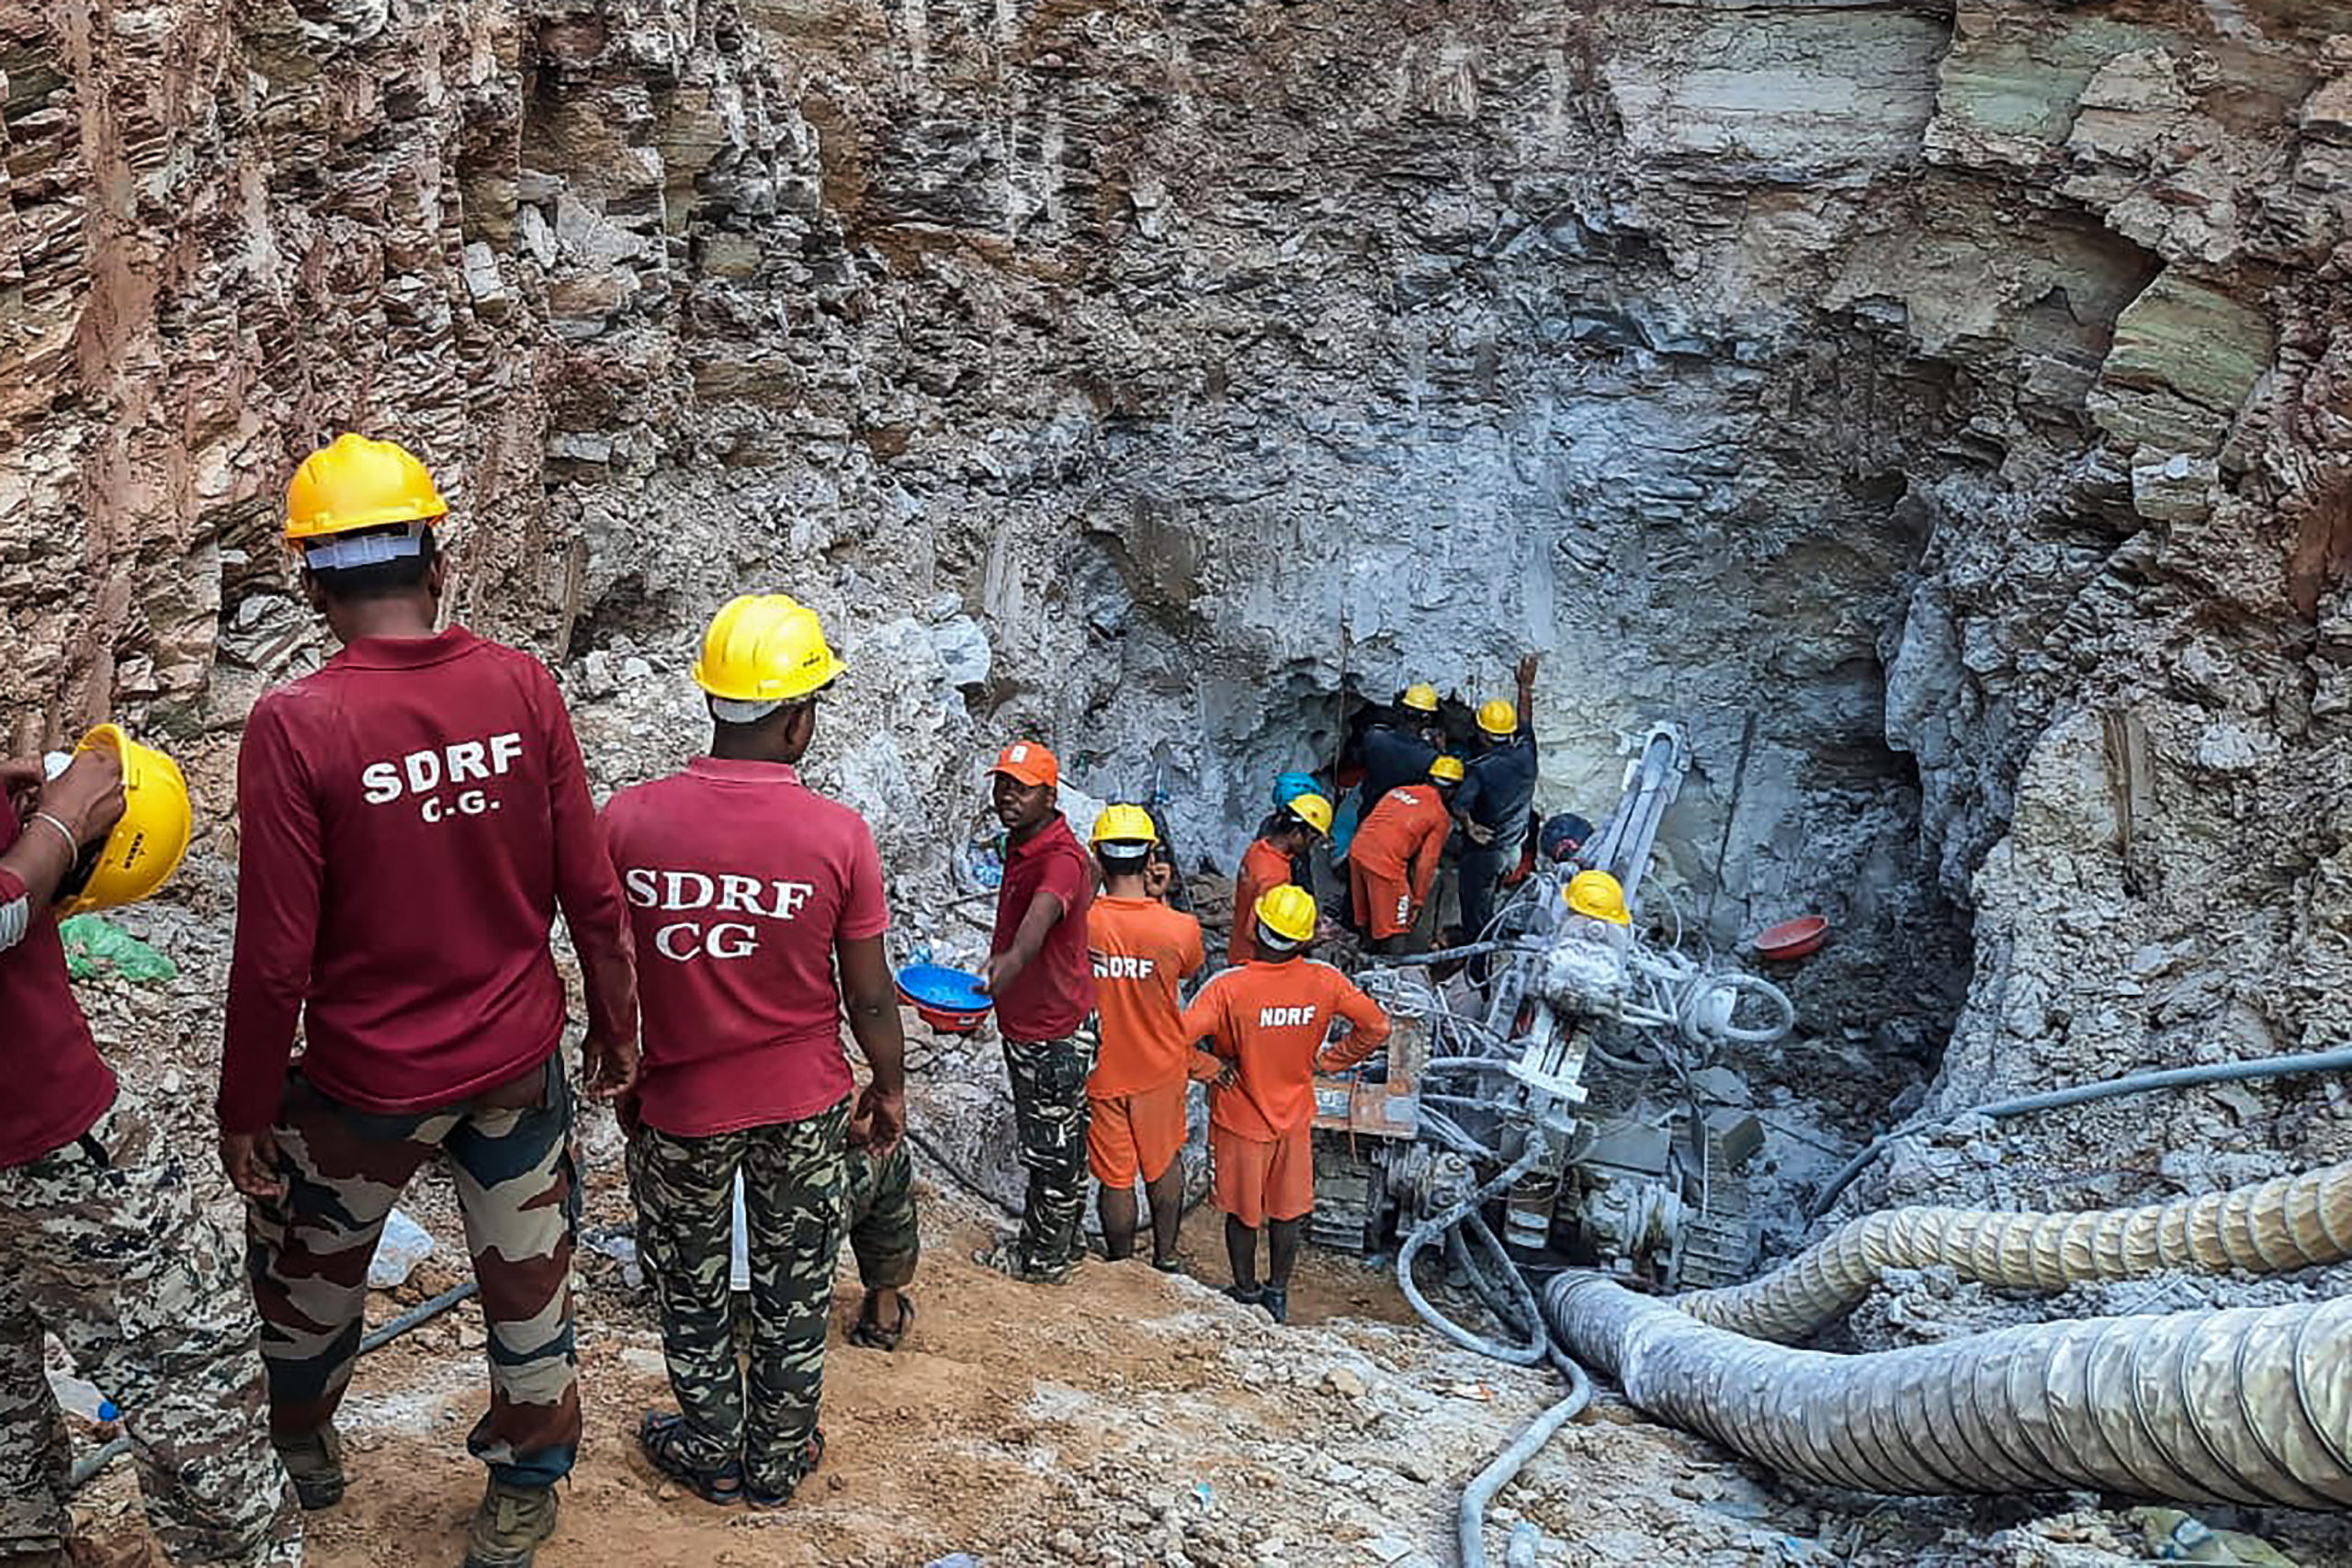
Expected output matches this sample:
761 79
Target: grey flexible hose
1470 1519
2252 1404
2080 1094
2289 1223
1539 1347
1442 954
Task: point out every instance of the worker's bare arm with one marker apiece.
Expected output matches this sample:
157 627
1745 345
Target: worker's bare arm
872 1005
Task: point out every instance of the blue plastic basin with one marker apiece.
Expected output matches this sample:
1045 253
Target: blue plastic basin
948 990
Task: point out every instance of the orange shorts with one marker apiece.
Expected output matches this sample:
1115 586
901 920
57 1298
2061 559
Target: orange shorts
1383 907
1134 1133
1260 1182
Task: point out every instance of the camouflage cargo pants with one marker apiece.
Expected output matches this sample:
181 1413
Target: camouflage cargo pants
107 1247
308 1254
1049 1119
881 1213
793 1176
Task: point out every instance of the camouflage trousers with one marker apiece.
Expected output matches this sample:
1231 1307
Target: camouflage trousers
1049 1119
107 1246
880 1209
308 1254
793 1176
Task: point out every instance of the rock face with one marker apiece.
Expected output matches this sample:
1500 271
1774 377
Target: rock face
1959 390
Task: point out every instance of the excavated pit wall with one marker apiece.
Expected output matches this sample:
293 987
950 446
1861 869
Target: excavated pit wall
1959 390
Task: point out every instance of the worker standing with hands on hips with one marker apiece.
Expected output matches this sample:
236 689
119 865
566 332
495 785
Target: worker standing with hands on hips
746 891
1393 863
1141 952
1269 1026
103 1239
1043 986
410 819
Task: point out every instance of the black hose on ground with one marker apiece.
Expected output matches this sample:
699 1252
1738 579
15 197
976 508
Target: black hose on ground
971 1184
424 1312
961 1177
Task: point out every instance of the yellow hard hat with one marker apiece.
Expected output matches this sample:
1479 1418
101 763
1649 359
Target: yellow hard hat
1498 718
359 483
1312 809
1288 911
765 648
1420 696
1125 824
1446 769
1598 894
147 845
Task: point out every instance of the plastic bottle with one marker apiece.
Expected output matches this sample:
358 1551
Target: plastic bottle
82 1397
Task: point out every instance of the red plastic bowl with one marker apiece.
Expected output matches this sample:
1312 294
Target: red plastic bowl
946 1022
1800 938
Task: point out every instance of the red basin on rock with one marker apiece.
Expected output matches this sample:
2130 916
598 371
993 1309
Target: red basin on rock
1800 938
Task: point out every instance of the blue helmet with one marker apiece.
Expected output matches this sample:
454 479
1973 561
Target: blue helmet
1291 786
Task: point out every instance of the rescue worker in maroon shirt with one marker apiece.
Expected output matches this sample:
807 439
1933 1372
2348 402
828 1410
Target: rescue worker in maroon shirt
745 891
411 817
1043 981
105 1240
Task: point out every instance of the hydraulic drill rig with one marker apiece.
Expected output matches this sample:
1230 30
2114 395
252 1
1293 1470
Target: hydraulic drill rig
1586 1072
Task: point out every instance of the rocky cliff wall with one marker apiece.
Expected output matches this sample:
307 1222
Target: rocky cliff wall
1958 389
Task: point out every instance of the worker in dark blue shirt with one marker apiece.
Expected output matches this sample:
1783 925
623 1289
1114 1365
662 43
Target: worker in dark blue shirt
1400 745
1496 804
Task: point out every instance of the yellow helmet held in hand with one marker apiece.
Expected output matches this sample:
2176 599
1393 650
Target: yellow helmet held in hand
1288 911
1446 770
1498 718
147 844
765 648
1420 696
1125 824
1599 894
1312 809
359 483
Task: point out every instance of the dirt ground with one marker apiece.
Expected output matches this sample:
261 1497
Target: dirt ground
1129 1418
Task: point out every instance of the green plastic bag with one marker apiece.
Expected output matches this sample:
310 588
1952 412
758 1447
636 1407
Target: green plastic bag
95 948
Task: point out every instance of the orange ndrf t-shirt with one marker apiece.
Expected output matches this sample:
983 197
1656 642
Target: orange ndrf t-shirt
1140 948
1271 1021
1408 827
1263 866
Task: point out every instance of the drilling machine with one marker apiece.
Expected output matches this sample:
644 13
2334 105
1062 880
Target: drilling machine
1589 1061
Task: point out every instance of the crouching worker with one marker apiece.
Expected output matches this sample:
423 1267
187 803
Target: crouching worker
1393 862
1269 1028
880 1210
745 891
103 1239
1141 951
411 817
1279 855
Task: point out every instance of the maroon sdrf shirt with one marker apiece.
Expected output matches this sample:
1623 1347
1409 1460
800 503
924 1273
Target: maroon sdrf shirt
410 819
57 1085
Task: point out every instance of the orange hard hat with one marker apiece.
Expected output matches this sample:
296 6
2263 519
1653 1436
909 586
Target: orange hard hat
1026 761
